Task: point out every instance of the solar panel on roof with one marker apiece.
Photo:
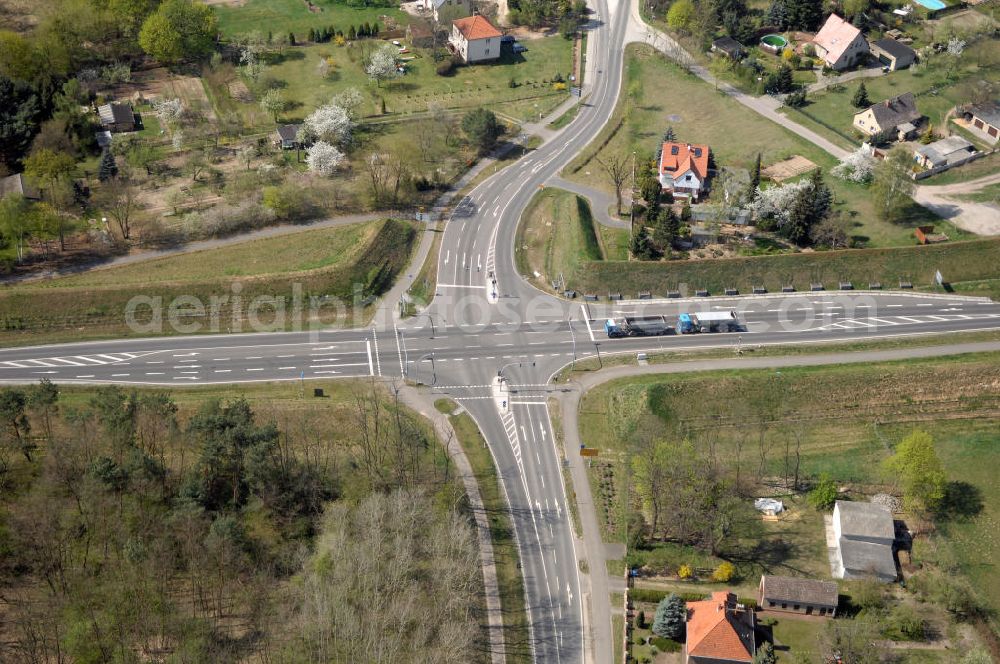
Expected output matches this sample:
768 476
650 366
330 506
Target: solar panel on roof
673 149
697 152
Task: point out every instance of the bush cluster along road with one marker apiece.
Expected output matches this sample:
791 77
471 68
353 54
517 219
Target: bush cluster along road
492 342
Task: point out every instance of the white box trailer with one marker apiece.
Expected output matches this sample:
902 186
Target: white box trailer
708 321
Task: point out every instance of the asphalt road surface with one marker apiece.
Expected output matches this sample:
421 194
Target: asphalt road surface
492 342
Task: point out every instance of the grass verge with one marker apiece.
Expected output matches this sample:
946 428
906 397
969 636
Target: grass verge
505 553
555 237
251 286
779 350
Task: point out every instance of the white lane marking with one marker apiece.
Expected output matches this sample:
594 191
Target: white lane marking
586 319
285 368
399 351
461 286
326 366
256 369
447 257
326 372
118 375
223 371
371 366
69 362
378 360
86 376
289 355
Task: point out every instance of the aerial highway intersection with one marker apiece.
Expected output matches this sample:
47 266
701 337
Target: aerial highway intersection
492 342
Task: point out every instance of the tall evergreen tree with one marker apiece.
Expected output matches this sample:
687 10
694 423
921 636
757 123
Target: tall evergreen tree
642 246
777 14
804 14
107 168
671 615
754 179
860 99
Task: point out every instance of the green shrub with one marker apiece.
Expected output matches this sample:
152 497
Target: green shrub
824 494
665 645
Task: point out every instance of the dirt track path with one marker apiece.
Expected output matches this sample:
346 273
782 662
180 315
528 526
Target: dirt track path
979 218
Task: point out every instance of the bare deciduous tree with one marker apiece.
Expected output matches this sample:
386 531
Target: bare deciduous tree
617 169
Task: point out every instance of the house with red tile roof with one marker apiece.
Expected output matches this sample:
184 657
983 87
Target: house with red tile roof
840 44
719 631
684 169
475 39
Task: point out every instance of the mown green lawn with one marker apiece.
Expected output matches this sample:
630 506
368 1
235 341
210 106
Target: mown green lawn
306 87
283 16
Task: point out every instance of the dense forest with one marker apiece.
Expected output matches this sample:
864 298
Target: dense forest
137 527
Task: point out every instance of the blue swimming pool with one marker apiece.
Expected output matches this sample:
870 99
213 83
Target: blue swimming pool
933 5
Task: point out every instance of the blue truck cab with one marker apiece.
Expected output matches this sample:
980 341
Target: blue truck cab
685 324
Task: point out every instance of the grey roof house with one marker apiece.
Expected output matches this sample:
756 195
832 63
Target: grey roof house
17 184
796 595
728 46
865 535
893 54
117 116
898 114
986 118
288 136
947 151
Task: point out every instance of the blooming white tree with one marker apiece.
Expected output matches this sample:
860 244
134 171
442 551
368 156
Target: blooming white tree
776 202
323 158
273 102
168 111
330 123
350 100
956 46
857 166
382 64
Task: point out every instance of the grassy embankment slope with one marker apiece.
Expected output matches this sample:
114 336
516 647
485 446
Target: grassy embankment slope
327 262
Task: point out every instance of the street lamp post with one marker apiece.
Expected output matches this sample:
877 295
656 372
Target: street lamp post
573 334
430 317
430 356
512 364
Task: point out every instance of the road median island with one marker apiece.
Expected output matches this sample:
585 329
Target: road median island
348 263
557 236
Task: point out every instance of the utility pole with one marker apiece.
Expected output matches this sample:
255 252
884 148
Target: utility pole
573 334
631 201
